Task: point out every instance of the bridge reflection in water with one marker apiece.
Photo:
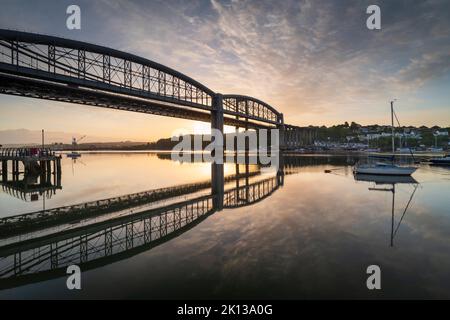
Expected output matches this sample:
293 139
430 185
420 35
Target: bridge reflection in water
42 244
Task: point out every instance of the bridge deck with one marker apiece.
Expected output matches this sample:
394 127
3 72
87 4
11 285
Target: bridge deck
32 88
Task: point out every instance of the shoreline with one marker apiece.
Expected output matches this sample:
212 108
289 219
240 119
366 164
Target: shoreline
286 152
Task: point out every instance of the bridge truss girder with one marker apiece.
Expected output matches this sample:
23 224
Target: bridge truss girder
80 64
107 241
79 95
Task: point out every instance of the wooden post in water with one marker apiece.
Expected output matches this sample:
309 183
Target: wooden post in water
4 170
58 171
14 170
49 170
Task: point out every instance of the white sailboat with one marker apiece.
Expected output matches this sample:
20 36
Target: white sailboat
385 168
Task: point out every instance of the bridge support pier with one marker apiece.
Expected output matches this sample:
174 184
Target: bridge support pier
281 134
217 173
217 124
217 113
217 185
292 137
280 172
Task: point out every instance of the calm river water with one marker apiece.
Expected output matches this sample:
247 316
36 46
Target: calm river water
302 234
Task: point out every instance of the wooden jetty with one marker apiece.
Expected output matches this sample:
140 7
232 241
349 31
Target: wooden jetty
27 172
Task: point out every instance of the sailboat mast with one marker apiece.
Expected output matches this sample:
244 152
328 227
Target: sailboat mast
392 212
392 125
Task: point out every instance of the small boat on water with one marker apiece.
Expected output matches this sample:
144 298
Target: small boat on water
445 160
384 179
385 168
73 154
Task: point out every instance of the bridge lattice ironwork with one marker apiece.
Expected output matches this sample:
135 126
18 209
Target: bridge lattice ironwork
100 71
121 236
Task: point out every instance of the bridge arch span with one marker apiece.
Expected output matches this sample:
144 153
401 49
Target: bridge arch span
54 68
254 109
79 63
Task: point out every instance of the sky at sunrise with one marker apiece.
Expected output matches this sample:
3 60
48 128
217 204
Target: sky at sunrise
314 61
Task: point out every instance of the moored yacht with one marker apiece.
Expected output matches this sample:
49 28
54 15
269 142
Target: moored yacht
384 168
445 160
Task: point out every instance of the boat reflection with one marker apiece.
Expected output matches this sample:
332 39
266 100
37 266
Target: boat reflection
383 179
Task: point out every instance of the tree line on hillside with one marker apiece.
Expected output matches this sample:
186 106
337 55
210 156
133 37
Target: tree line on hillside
341 133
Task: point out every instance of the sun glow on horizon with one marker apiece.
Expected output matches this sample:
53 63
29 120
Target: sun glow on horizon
205 128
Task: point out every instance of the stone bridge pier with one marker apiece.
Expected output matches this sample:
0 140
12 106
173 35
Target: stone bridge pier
293 137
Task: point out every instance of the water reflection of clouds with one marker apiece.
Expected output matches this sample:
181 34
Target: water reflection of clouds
323 241
312 238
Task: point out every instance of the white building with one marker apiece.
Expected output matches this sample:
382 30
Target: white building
441 133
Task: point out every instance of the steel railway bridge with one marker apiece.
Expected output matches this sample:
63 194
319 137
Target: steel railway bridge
47 67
